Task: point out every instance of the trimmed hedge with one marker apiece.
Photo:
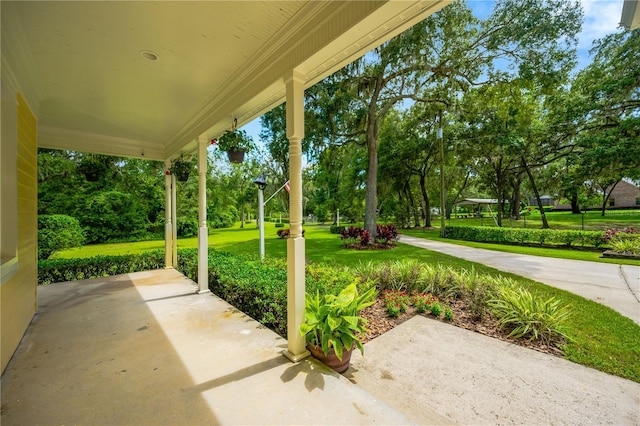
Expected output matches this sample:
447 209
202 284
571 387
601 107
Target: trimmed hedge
259 289
60 270
561 237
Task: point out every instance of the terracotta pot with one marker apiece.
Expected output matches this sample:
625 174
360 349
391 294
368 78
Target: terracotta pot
236 155
331 359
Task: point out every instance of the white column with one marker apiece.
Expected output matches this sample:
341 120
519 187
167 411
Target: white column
168 224
203 231
261 221
296 350
174 220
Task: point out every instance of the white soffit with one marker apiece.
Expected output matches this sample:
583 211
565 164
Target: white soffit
630 14
84 66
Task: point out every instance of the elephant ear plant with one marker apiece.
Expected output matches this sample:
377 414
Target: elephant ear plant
332 322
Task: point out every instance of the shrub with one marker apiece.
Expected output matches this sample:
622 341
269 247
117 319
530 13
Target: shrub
259 288
626 245
336 229
395 302
57 232
529 316
365 237
612 233
350 235
448 313
284 233
422 302
490 234
187 227
59 270
386 234
436 309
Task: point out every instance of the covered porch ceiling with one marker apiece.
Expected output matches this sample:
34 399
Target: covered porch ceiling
87 68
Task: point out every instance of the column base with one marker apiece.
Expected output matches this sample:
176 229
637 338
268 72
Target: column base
296 358
203 291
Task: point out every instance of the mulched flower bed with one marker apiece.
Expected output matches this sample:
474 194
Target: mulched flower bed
379 322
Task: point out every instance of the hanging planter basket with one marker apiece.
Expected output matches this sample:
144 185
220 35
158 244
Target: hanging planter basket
181 168
236 155
236 143
92 169
182 176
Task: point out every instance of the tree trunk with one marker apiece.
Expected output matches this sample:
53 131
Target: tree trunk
545 224
499 192
242 215
606 195
575 206
371 194
425 197
412 203
517 198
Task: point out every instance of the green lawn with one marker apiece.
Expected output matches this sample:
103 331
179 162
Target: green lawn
601 337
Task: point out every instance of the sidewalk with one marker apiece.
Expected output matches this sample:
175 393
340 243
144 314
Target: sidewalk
424 366
615 286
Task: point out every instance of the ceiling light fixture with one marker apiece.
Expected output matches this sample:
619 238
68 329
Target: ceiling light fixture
149 55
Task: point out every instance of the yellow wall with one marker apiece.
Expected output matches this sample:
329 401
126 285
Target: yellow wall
18 296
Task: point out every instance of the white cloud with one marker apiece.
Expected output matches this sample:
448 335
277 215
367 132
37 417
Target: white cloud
601 17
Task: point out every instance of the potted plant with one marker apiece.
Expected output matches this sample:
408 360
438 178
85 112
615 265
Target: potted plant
236 143
333 327
93 168
181 167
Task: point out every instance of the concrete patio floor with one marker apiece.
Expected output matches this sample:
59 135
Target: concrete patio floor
143 348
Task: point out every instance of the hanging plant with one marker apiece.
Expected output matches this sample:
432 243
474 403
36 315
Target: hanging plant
92 168
181 168
236 143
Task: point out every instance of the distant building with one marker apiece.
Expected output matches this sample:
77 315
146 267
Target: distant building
547 200
624 194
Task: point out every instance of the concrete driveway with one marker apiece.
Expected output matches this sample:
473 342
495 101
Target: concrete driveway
615 286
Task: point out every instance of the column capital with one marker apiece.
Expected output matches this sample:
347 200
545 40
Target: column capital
295 105
295 76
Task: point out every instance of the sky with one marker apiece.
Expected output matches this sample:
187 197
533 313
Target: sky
601 17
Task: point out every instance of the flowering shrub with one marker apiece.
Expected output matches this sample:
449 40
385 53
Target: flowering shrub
365 237
395 302
612 233
284 233
423 301
386 235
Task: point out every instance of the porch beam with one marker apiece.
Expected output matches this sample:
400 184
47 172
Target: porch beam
296 350
168 224
203 231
